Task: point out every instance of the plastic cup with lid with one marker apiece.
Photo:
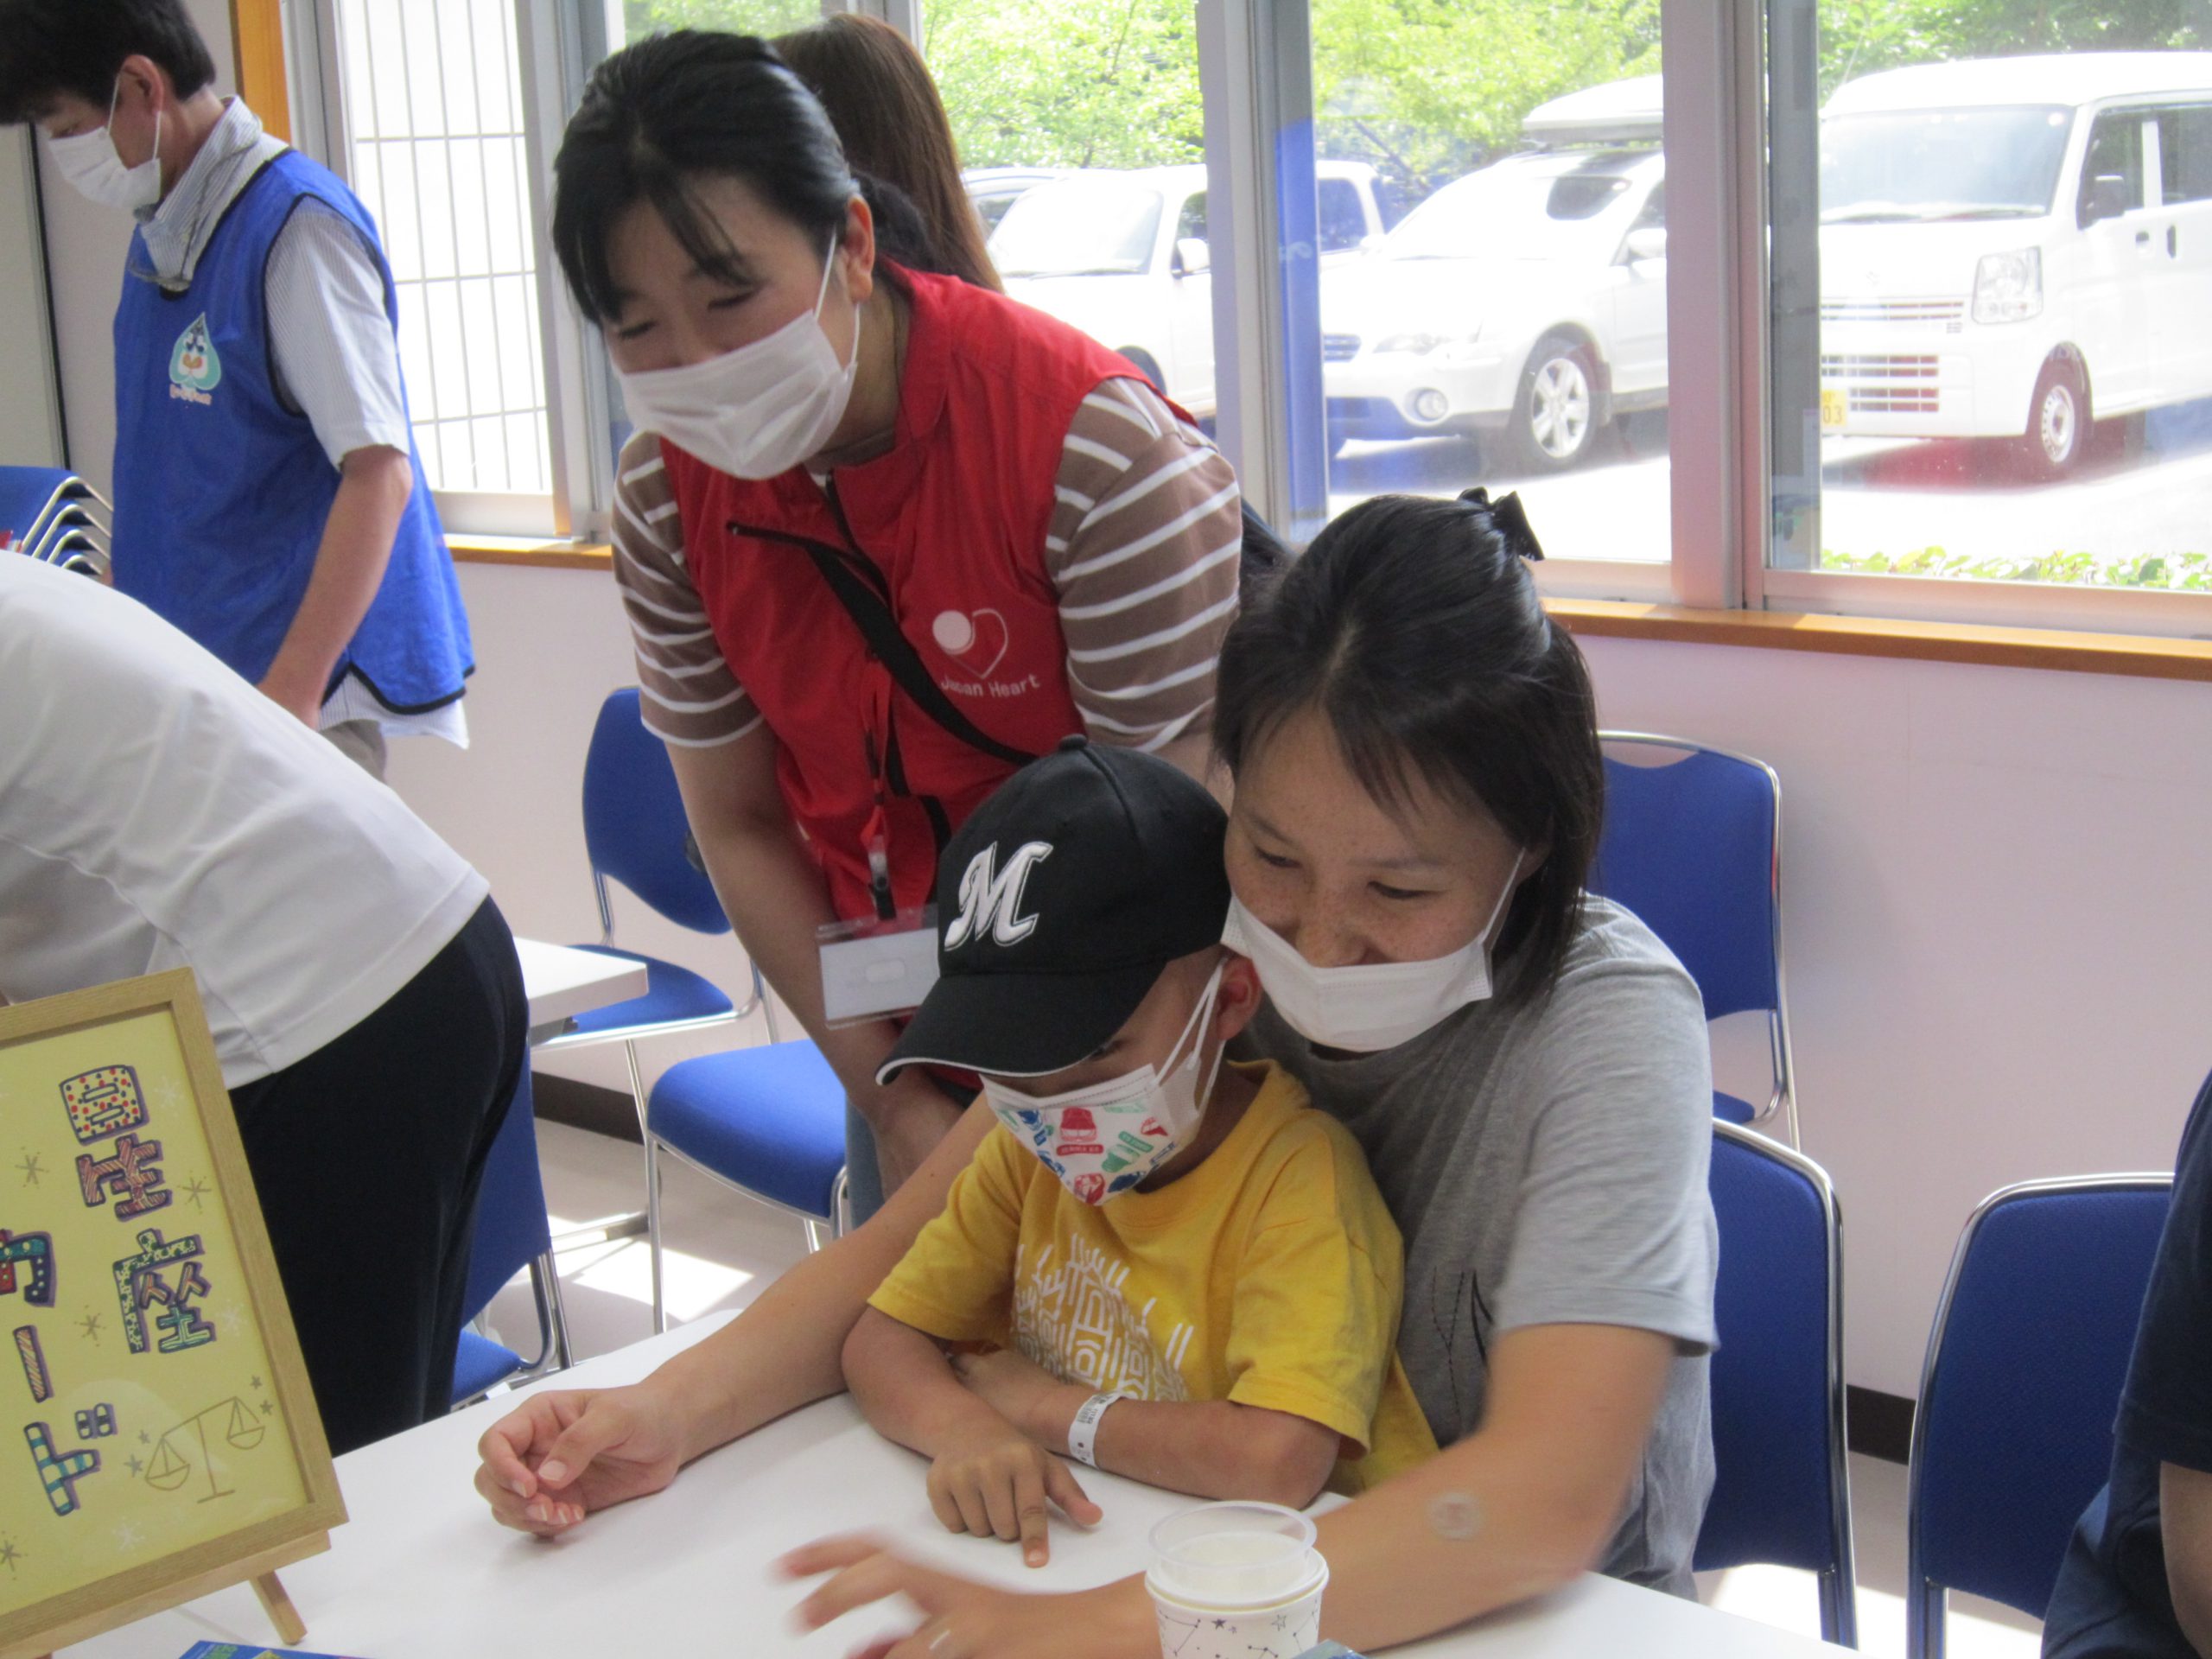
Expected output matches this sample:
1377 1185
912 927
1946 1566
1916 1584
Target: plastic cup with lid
1237 1581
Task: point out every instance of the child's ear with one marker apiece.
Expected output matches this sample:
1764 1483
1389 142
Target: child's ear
1239 997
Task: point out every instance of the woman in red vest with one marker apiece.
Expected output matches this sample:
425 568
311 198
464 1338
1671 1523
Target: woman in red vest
882 535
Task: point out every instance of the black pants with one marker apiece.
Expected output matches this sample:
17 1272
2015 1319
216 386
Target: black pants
366 1156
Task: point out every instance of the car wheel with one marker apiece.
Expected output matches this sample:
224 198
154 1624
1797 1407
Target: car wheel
2058 420
1556 415
1144 363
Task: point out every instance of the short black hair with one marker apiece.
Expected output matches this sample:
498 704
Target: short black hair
48 47
1415 630
674 108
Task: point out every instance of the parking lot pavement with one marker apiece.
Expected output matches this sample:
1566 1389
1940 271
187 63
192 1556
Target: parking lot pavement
2144 488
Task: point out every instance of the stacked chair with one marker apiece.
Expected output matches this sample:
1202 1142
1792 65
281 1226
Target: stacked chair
47 512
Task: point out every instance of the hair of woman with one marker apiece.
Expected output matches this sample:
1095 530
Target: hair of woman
672 109
1413 628
879 95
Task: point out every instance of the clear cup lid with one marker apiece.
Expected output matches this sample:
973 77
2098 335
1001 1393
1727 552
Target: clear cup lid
1236 1554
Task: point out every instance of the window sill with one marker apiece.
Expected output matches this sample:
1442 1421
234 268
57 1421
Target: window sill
2139 656
526 550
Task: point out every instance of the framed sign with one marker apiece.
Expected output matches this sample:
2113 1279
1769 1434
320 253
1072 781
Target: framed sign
158 1437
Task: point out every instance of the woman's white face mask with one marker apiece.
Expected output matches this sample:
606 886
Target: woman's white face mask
1373 1006
91 163
759 410
1103 1139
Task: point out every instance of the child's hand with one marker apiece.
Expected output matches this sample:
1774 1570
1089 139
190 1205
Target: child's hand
996 1482
1021 1391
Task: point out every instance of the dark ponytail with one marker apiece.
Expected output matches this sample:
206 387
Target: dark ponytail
1413 627
660 115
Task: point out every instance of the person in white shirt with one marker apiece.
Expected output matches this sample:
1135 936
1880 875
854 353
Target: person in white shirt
156 812
269 499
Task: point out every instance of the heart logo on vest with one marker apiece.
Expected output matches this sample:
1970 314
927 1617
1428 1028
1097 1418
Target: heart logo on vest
193 366
976 640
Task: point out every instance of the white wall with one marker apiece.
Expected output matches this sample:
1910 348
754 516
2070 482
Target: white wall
86 246
1995 888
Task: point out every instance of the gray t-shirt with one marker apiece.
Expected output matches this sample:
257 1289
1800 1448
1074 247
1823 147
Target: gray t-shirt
1546 1163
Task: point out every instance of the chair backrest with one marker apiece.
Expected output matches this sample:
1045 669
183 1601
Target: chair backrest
512 1231
1693 847
1782 1485
29 495
634 828
2029 1346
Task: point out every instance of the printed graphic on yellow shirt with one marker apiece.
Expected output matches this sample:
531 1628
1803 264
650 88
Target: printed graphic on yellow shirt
1070 1316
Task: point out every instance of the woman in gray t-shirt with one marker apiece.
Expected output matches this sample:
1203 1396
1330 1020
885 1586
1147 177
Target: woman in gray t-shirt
1418 792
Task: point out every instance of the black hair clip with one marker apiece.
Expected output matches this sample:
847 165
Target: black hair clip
1507 518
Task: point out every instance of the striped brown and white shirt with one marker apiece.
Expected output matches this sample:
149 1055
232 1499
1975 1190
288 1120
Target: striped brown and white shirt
1142 553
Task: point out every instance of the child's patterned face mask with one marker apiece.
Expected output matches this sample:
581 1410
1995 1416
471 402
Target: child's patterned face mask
1105 1139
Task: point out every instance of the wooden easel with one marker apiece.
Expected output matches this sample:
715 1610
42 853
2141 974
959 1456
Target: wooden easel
261 1571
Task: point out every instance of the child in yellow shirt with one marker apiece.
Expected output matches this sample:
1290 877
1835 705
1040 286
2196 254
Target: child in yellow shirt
1179 1270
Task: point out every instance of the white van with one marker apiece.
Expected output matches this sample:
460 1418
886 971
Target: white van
2016 247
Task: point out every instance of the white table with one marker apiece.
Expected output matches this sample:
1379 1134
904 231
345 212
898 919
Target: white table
423 1572
562 982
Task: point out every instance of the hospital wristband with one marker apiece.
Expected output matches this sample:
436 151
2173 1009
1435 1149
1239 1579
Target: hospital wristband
1083 1434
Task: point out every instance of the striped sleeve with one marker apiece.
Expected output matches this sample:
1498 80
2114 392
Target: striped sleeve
688 695
1143 554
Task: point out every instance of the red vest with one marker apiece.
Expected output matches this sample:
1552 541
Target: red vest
954 517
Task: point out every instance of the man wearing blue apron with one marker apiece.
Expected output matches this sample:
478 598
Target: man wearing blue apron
269 499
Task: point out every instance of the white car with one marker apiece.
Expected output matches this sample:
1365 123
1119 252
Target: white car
1123 256
2014 247
1524 304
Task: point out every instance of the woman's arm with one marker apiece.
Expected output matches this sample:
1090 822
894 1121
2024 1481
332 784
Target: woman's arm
1522 1506
775 897
568 1452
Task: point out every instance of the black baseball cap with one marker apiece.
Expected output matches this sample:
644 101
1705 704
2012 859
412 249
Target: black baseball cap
1058 905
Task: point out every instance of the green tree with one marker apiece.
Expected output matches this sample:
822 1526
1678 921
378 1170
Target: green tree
1860 36
739 16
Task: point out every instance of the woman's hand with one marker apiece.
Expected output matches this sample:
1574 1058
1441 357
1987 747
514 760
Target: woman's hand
909 1117
995 1481
1021 1391
568 1453
965 1620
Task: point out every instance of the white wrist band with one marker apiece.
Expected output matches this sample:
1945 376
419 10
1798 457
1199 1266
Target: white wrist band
1083 1434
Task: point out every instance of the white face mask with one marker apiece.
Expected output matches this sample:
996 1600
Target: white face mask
90 162
757 411
1375 1006
1103 1140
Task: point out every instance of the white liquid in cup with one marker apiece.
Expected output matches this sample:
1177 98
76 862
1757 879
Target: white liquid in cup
1236 1581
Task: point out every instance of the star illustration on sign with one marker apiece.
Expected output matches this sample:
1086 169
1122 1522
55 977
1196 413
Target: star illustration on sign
144 1438
31 1167
137 1466
10 1555
196 1190
166 1095
90 1324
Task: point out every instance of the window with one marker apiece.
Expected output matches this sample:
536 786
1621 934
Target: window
1511 330
1083 134
1996 406
433 144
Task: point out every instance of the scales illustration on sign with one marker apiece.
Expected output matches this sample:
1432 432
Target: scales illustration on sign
185 1449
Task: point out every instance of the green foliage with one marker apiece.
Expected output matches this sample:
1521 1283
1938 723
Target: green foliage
2189 572
1860 36
739 16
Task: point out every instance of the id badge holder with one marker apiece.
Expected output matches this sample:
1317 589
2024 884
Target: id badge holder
877 967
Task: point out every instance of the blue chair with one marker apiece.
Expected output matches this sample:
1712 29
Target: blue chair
1781 1486
1694 847
512 1234
2030 1347
635 833
769 1120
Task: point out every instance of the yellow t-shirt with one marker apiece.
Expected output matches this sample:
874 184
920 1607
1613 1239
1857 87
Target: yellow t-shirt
1269 1275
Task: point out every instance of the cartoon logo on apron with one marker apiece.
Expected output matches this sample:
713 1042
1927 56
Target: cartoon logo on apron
195 369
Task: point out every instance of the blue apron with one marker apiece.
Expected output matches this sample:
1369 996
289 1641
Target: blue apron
222 492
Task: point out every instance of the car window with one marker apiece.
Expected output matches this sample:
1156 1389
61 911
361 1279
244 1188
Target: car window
1190 223
2185 153
1583 195
1917 165
1654 216
1099 225
2115 152
1343 224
